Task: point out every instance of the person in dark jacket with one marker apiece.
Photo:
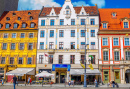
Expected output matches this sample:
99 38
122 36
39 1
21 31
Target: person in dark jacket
117 86
113 83
14 81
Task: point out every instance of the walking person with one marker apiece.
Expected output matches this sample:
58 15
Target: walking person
96 84
14 81
113 84
69 83
28 80
2 82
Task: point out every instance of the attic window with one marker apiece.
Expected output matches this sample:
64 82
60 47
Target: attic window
31 17
43 13
113 14
67 12
29 13
67 7
19 18
23 25
15 25
32 25
7 19
82 13
104 25
52 13
91 12
14 13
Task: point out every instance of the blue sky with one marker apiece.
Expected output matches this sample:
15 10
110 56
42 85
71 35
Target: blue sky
37 4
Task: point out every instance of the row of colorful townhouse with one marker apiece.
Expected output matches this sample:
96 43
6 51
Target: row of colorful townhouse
53 39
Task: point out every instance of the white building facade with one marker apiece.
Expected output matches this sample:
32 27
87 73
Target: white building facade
61 37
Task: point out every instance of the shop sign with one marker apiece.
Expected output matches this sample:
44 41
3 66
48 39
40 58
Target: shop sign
60 66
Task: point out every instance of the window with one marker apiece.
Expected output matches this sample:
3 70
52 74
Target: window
104 25
52 21
117 74
67 7
92 33
51 33
22 35
61 33
61 21
67 12
82 21
93 45
7 19
92 21
3 60
5 35
30 46
4 46
12 46
105 42
82 33
92 59
127 55
0 26
42 33
7 25
15 25
42 22
21 46
13 35
60 59
72 59
116 56
19 18
52 14
127 43
72 33
82 45
82 59
60 45
116 42
29 13
11 60
72 45
82 13
32 25
41 45
51 45
40 59
30 35
105 55
31 18
125 24
20 60
72 21
50 59
24 25
113 14
29 60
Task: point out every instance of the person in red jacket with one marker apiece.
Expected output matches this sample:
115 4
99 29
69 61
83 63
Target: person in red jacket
30 81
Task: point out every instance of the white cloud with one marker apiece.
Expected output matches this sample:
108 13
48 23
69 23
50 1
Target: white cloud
36 4
100 3
80 3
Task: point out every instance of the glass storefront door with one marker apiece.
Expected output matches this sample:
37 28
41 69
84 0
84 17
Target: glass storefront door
106 76
117 76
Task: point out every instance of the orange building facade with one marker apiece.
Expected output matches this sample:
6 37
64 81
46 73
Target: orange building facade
114 45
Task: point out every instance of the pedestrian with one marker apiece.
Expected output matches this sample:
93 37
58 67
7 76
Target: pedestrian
14 81
30 81
96 84
69 83
117 86
113 84
2 82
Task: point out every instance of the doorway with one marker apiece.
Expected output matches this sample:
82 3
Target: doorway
127 76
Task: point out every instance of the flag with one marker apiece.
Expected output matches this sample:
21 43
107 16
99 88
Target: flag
83 66
91 66
46 55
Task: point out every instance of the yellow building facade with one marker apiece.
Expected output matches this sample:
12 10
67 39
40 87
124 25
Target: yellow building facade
18 42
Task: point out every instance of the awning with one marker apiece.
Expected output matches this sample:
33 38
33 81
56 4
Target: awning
81 72
22 71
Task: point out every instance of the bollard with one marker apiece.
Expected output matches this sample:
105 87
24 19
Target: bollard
42 83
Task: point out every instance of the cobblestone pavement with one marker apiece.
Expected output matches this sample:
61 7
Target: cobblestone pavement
38 87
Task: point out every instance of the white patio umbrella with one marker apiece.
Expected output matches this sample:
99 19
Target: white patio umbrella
44 74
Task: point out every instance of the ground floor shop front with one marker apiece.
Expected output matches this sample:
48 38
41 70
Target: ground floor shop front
120 74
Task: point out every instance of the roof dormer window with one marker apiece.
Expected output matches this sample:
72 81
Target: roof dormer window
32 25
113 14
67 7
31 18
24 25
29 13
125 24
7 19
19 18
15 25
7 25
14 14
104 25
52 13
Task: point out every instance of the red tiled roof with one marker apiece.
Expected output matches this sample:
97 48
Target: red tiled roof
25 18
113 23
92 10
